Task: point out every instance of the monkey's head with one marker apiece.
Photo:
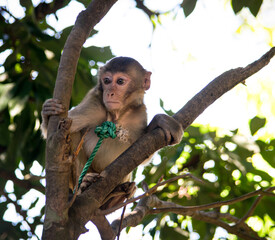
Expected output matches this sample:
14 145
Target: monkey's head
123 81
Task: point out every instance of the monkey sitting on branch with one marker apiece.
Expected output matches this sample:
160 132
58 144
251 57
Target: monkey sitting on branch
117 97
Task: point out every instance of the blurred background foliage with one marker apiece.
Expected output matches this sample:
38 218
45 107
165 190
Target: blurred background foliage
229 163
225 161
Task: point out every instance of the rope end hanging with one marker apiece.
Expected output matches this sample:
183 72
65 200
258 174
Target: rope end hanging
107 129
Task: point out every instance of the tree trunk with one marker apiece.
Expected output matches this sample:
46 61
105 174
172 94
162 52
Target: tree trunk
57 161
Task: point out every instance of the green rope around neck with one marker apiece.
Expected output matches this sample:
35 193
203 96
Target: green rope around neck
107 129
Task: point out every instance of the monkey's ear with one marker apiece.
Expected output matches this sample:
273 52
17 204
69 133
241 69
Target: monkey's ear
147 80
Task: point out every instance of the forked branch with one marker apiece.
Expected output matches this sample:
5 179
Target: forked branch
152 205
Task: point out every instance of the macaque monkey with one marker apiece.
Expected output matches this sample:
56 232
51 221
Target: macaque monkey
117 97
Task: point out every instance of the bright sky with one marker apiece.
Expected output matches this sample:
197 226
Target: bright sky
185 54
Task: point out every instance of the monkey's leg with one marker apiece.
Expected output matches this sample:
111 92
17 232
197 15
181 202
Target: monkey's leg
87 180
119 194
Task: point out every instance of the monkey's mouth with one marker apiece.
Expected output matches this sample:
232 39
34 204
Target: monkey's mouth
112 105
112 102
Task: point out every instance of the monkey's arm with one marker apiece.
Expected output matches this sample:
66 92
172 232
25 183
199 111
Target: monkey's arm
90 112
50 107
172 129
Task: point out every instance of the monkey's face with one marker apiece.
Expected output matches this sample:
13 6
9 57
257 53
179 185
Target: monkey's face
115 89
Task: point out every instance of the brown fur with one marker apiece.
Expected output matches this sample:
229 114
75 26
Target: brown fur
91 112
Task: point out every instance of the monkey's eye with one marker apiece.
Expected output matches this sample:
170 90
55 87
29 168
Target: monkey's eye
120 81
106 80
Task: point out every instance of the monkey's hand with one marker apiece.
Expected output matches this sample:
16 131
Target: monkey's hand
172 129
49 108
52 107
118 195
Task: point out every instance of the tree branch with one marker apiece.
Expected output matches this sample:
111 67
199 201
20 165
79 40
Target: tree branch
148 193
104 228
146 10
27 184
20 211
153 205
175 207
218 87
140 150
43 8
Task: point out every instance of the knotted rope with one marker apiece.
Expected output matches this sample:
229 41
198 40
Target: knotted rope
107 129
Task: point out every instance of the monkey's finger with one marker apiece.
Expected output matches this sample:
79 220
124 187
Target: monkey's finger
53 102
53 105
52 111
176 134
84 186
90 177
168 136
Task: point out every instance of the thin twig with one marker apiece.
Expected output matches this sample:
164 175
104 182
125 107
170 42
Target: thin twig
145 9
20 211
79 146
121 219
250 211
214 205
149 192
8 12
75 154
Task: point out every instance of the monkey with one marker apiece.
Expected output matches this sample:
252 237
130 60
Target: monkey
117 97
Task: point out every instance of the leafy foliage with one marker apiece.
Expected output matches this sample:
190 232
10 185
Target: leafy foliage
256 123
188 6
253 5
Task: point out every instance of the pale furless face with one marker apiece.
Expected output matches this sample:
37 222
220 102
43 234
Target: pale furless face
115 87
123 82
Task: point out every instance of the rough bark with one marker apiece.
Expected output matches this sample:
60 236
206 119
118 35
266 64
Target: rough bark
57 162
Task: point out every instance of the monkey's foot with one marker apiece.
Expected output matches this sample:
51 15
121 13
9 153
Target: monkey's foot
88 179
119 194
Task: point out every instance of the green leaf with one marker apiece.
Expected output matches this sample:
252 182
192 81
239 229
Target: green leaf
26 3
168 233
168 112
4 124
193 131
264 175
254 6
256 123
5 94
148 219
268 151
85 2
237 5
188 6
98 54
